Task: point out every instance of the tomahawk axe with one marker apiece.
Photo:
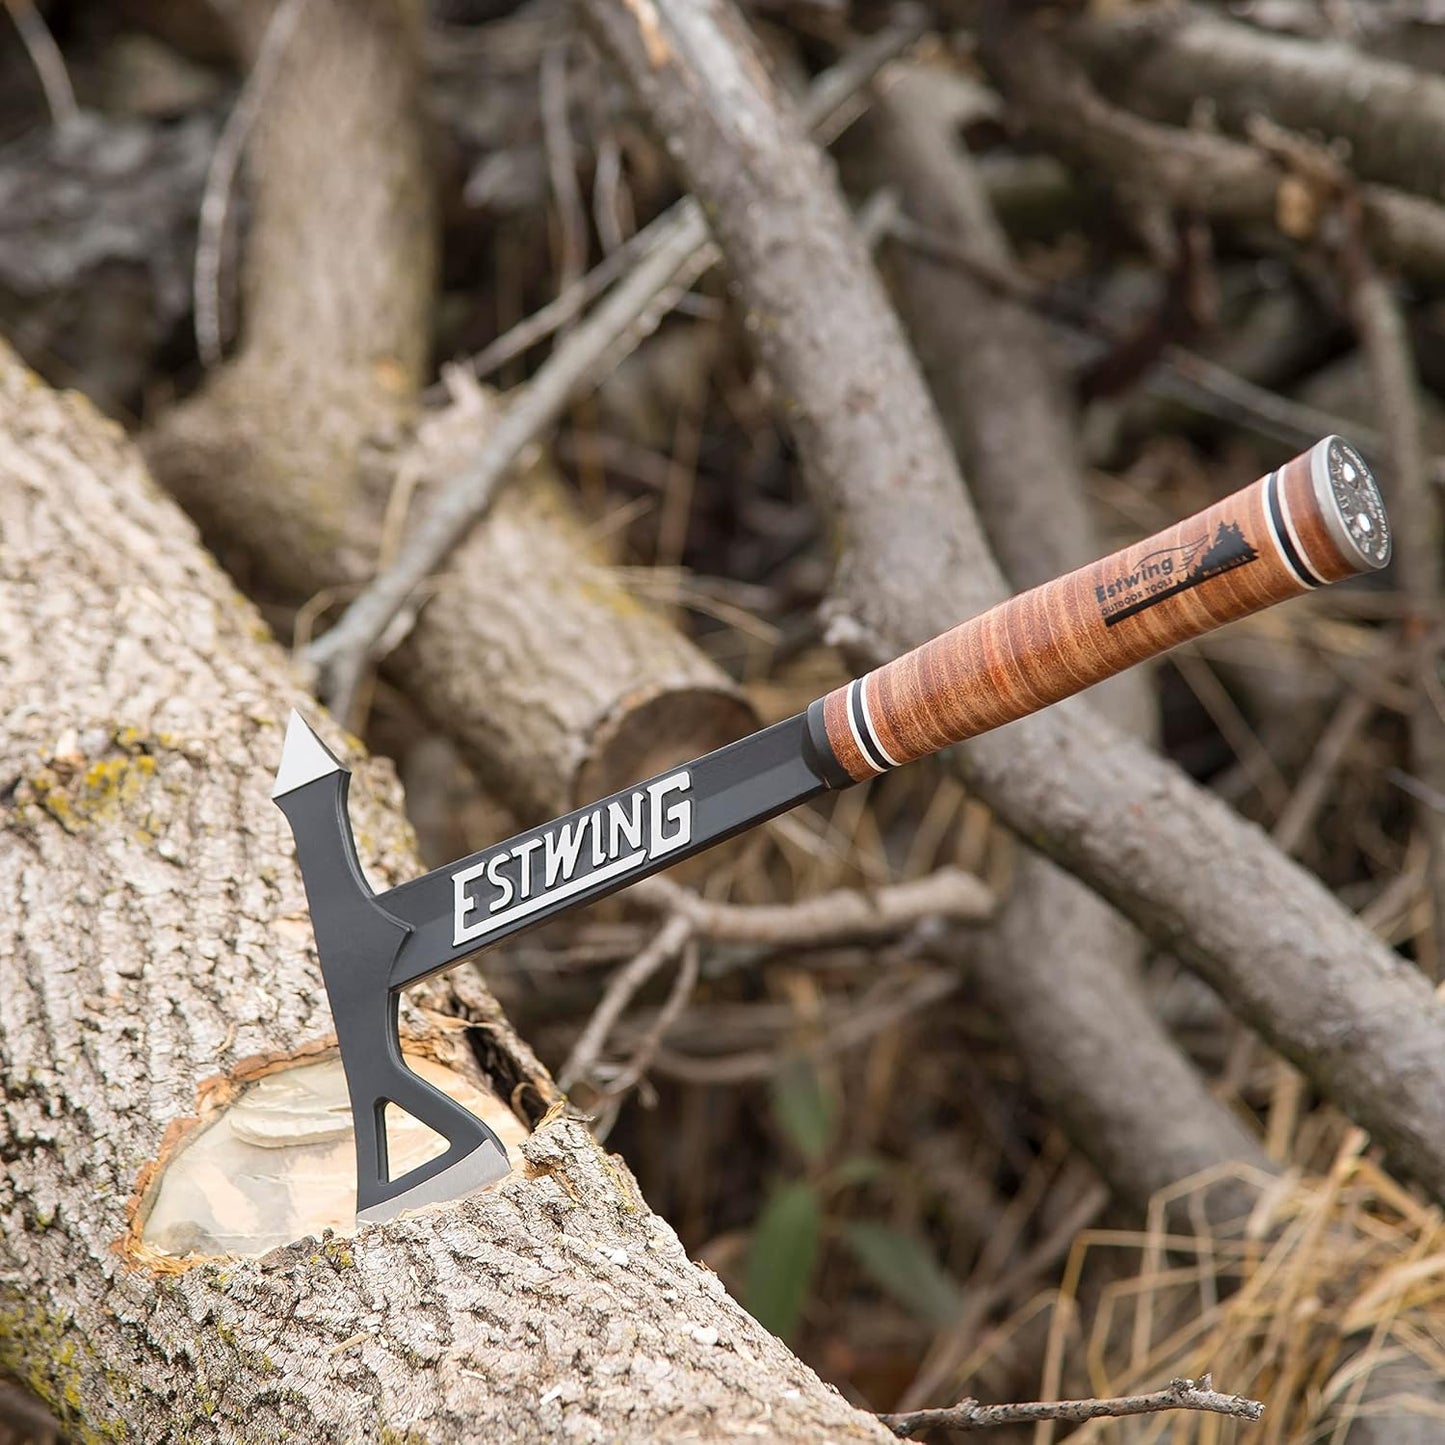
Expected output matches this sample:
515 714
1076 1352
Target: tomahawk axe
1318 519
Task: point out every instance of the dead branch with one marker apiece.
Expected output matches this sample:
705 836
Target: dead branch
1180 1395
1182 375
587 354
1196 171
820 108
1389 115
1266 936
1007 415
622 988
835 917
221 179
1416 511
948 894
45 56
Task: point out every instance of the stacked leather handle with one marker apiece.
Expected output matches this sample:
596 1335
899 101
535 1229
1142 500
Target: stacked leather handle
1318 519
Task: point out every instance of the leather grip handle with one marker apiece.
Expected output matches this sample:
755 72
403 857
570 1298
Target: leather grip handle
1318 519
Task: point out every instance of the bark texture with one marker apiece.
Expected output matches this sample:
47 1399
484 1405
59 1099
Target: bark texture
154 936
288 455
1362 1024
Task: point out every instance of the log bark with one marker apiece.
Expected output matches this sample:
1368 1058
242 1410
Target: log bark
1391 116
1197 878
154 937
288 454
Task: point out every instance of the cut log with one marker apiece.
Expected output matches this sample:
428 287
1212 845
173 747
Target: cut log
154 938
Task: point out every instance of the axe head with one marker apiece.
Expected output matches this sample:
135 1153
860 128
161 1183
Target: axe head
374 945
358 940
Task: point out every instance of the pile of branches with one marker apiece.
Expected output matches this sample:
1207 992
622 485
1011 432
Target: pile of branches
571 389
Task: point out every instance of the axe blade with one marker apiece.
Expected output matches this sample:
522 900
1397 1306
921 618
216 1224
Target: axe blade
486 1164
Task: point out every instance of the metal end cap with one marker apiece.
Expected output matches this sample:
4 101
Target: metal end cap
1350 503
304 758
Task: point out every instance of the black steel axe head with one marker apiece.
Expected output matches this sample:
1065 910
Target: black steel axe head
373 945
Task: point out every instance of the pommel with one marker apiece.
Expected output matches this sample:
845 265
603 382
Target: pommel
1350 504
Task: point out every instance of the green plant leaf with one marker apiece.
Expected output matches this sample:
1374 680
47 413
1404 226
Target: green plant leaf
900 1265
856 1169
803 1111
782 1258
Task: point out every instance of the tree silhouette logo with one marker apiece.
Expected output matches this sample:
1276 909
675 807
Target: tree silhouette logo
1228 550
1169 571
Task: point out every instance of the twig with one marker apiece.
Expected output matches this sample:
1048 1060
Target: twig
1180 1395
621 989
45 56
844 914
825 100
646 1050
221 178
628 315
948 893
562 163
880 1008
552 317
1182 376
679 254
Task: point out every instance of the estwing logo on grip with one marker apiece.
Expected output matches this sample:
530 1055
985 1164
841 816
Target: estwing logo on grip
1170 571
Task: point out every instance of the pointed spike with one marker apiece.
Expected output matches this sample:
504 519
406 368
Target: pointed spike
304 758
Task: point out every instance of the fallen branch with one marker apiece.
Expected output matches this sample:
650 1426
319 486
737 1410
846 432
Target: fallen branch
1008 416
1415 508
847 913
1182 375
1180 1395
588 354
1196 171
1391 115
813 922
45 56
